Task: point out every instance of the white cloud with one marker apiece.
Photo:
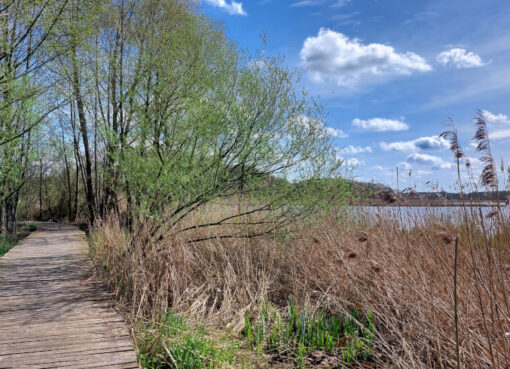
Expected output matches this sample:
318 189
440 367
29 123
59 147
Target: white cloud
334 56
422 143
355 150
353 162
398 146
350 163
430 160
499 135
475 162
380 124
495 118
335 132
460 58
233 8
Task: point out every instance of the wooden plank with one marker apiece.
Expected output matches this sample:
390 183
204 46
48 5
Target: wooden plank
53 312
42 353
82 360
61 342
43 319
69 336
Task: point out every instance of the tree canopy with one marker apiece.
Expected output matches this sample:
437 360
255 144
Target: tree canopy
144 109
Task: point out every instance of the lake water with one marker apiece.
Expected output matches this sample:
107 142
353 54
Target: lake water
413 215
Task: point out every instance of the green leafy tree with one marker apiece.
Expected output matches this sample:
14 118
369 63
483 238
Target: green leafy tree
171 125
25 28
211 126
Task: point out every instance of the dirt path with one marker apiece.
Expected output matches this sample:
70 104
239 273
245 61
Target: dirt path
53 313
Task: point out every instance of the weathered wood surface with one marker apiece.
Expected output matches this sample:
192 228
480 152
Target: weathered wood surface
53 312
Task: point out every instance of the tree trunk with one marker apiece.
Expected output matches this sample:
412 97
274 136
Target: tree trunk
89 189
9 216
68 176
40 188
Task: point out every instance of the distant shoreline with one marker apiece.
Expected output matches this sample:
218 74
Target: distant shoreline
432 204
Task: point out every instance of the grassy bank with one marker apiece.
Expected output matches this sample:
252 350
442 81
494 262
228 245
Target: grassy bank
7 242
365 292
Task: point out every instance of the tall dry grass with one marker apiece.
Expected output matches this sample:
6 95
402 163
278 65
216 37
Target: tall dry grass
403 268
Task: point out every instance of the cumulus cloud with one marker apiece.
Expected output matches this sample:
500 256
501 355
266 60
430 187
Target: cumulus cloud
495 118
233 8
380 124
353 162
422 143
430 160
335 132
355 150
350 163
333 56
460 58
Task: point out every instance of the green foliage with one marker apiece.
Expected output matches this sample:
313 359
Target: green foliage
6 243
171 343
17 112
31 227
208 123
178 119
26 27
348 336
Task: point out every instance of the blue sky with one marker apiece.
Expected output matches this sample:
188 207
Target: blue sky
390 72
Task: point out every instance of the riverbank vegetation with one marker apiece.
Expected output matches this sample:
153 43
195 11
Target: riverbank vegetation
8 241
215 202
393 296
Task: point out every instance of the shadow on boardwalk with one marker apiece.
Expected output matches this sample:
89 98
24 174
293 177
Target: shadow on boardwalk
53 312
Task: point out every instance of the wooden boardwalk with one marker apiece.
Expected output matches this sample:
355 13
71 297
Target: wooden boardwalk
53 312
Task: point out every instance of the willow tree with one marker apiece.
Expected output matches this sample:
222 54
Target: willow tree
174 127
211 126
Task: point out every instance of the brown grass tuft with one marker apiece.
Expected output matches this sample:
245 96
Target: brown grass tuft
362 236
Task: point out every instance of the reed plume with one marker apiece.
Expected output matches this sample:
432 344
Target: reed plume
451 135
489 176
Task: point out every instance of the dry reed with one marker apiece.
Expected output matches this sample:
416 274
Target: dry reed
404 274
